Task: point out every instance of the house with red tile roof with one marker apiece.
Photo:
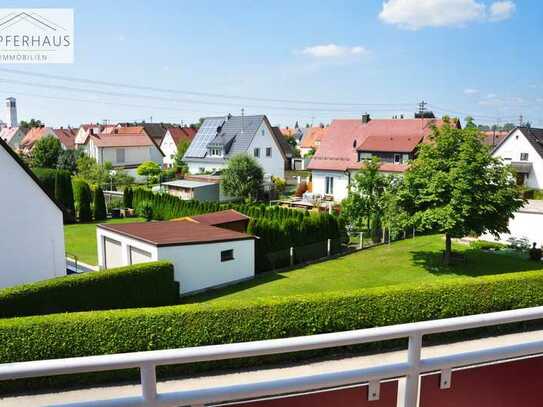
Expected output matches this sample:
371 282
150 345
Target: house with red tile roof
32 137
312 139
125 148
13 135
349 142
87 129
171 140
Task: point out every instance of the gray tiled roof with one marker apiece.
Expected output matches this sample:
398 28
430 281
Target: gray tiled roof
236 134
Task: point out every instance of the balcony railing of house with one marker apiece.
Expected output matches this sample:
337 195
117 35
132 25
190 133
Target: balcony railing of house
375 378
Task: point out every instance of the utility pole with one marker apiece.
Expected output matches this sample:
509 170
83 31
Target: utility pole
520 120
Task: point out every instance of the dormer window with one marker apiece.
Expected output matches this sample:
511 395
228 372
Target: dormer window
215 152
363 156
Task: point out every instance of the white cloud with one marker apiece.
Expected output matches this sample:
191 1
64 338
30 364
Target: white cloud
470 91
417 14
333 51
501 10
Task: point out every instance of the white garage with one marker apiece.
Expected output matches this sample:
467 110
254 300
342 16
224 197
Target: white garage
203 256
527 223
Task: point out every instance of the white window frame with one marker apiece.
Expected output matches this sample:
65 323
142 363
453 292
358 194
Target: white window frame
399 158
256 152
268 150
329 185
524 156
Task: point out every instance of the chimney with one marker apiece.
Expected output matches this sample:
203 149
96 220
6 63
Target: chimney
365 118
91 131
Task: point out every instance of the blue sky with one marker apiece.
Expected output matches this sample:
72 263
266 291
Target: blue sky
478 57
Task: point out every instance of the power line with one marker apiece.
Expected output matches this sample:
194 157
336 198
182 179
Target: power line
193 93
168 99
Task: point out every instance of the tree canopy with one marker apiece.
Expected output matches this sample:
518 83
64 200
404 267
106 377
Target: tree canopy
456 187
182 148
149 169
242 177
46 152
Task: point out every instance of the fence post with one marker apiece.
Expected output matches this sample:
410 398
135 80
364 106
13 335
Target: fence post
413 232
291 255
361 243
328 247
148 384
412 379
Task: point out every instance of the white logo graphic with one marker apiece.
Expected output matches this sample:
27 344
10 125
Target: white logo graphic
36 36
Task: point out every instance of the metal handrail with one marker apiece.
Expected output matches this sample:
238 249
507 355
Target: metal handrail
411 370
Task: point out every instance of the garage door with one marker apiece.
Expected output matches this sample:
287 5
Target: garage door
139 256
114 254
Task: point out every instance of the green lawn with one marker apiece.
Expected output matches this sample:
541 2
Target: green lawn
80 239
412 260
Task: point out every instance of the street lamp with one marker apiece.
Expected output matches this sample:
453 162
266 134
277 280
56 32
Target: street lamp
112 174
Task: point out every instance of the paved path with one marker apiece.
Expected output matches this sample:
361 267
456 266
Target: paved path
265 374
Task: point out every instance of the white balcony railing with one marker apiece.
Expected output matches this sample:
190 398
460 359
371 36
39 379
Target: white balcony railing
411 370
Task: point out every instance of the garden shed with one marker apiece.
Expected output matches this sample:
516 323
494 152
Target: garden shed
203 256
188 189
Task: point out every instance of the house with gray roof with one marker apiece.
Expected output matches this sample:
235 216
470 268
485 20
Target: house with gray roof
522 148
220 138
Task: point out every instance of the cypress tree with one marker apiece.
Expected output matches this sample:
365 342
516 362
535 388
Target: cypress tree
64 194
99 205
128 197
84 202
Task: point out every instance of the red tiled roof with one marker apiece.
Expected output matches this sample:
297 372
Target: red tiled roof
492 138
115 140
174 233
33 135
182 133
398 144
338 150
221 217
314 136
66 137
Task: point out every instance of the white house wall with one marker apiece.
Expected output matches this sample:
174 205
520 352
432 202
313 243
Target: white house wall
32 238
510 150
274 165
169 149
341 183
133 155
197 167
527 225
199 266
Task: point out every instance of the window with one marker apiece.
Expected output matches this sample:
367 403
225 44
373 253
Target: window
364 156
120 155
216 152
257 152
263 132
227 255
329 185
405 158
268 151
523 156
397 158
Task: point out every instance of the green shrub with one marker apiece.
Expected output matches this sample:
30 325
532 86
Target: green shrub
83 196
47 178
117 331
143 285
64 193
128 195
99 204
484 245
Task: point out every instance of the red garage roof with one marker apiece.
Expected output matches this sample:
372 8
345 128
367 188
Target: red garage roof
175 233
221 217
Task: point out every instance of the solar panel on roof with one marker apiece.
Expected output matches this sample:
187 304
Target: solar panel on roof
206 133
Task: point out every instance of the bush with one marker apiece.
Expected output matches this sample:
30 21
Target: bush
128 195
83 196
142 285
99 205
64 193
118 331
47 178
484 245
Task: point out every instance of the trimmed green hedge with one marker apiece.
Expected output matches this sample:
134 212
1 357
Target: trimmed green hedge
143 285
107 332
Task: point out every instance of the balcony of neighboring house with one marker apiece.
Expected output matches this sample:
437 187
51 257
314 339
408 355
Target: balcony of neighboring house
501 370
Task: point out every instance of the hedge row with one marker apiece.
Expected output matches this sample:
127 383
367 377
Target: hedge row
144 285
117 331
278 228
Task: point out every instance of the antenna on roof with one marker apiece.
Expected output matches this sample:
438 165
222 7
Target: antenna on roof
521 120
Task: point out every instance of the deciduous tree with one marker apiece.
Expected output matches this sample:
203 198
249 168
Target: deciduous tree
242 177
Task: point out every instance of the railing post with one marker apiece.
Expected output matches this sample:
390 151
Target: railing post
291 255
328 247
361 243
148 384
412 380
